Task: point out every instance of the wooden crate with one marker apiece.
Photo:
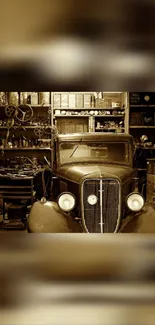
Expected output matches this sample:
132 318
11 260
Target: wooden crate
64 100
57 101
72 125
79 100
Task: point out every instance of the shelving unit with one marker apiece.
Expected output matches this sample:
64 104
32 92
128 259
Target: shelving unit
142 115
95 105
23 139
15 149
142 127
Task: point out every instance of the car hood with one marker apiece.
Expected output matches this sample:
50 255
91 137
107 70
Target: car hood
78 172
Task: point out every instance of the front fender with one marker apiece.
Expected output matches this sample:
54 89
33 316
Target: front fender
48 218
142 222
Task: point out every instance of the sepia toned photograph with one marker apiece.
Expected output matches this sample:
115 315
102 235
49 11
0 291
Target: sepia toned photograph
77 162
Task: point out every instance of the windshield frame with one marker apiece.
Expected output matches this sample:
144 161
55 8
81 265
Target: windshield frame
95 159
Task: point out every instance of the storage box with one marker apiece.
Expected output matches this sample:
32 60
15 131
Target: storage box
72 101
87 100
57 100
79 99
44 98
72 125
14 98
64 100
34 98
3 98
23 98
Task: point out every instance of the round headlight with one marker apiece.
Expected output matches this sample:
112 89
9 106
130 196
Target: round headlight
135 202
92 199
66 202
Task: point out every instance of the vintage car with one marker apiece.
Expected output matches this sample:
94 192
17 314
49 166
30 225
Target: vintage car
94 185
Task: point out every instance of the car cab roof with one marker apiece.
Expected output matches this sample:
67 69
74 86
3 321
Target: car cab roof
95 136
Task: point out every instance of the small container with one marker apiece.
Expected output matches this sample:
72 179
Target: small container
57 112
44 98
64 100
26 143
20 142
87 100
34 98
79 100
72 101
116 104
23 142
23 98
57 100
14 99
29 98
3 98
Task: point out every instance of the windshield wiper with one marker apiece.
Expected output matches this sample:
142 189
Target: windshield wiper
77 146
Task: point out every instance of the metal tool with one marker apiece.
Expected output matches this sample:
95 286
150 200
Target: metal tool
39 132
24 113
10 111
9 125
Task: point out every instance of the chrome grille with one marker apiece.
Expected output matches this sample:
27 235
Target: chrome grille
101 217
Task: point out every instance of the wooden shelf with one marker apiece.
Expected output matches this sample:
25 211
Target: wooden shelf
32 105
141 169
15 149
81 115
27 127
67 115
147 148
39 105
89 108
102 129
111 116
142 127
142 105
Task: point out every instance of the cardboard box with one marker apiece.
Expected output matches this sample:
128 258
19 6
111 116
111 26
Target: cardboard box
87 100
57 101
72 101
64 100
79 100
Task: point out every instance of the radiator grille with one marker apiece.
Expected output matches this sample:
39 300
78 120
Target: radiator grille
101 217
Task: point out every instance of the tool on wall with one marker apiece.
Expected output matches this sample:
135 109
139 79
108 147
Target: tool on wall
39 132
24 113
9 125
10 111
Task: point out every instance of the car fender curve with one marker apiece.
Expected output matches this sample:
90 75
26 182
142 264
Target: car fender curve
48 218
141 222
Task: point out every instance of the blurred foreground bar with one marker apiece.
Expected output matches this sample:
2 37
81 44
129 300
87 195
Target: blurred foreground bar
80 46
77 279
79 257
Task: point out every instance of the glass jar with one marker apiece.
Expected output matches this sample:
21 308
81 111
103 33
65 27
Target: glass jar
13 98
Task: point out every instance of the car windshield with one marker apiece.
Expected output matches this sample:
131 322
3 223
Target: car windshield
116 152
